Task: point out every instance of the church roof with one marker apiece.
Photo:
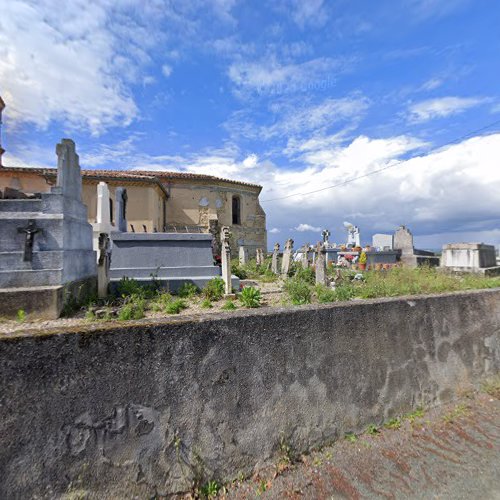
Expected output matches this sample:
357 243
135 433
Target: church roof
130 175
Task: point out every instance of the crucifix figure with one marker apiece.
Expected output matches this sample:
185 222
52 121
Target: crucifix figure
30 230
326 235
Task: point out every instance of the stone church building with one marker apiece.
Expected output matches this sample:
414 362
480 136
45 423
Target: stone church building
162 201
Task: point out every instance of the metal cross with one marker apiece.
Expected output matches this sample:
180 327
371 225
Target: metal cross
30 230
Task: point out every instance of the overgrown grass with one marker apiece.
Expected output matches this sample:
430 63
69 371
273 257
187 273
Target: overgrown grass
250 297
133 308
214 289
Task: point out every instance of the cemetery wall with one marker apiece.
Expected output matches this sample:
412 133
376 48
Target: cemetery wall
147 408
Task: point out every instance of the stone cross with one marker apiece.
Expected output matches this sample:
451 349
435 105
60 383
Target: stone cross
304 258
103 208
226 259
121 209
326 234
275 260
69 177
103 265
321 276
243 255
30 230
287 257
259 256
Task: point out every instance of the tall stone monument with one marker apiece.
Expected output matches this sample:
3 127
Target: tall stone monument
243 255
275 259
46 255
320 261
304 257
287 258
410 256
226 259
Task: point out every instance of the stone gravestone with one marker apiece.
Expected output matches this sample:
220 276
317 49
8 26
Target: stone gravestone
69 177
103 264
243 255
259 256
226 259
103 209
275 259
403 240
121 209
304 258
46 256
321 276
287 258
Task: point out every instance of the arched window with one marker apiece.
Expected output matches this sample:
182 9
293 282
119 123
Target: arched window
236 210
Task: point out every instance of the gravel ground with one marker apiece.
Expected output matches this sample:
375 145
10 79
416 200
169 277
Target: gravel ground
452 452
271 297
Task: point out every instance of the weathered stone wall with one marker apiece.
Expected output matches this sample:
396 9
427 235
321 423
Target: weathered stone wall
139 410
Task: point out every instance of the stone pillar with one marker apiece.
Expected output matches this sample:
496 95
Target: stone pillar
103 265
321 276
69 177
121 209
260 257
243 255
103 210
275 261
304 257
226 260
287 257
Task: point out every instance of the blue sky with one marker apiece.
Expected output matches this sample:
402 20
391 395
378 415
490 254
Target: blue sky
294 95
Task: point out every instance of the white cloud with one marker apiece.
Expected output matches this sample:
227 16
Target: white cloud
271 76
274 230
166 70
304 228
310 12
435 8
442 107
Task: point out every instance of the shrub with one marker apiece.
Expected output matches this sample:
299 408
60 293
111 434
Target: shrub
175 306
206 304
250 297
128 286
229 306
21 316
214 290
161 302
187 290
305 274
325 294
238 270
298 291
133 308
344 292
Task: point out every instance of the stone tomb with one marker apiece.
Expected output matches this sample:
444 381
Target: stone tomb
410 256
46 256
470 257
170 258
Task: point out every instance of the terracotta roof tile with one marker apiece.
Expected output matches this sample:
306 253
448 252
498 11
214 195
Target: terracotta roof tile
145 175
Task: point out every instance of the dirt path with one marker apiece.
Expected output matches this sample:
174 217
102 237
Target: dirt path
452 452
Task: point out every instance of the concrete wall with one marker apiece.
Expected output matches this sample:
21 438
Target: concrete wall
143 410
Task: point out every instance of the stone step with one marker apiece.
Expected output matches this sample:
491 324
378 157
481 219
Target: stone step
163 272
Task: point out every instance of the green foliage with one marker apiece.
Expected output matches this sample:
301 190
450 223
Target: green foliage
133 308
214 290
206 304
344 292
394 424
229 306
90 315
160 302
250 297
304 274
268 276
351 437
492 387
298 291
460 410
411 417
187 290
128 286
175 306
238 270
362 258
21 316
210 490
372 429
325 294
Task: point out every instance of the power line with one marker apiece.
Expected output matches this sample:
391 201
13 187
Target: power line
387 167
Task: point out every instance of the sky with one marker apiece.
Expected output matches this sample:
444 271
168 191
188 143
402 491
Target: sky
396 104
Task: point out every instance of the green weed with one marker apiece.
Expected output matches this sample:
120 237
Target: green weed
206 304
21 316
250 297
175 306
229 306
298 291
394 424
187 290
351 437
214 289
